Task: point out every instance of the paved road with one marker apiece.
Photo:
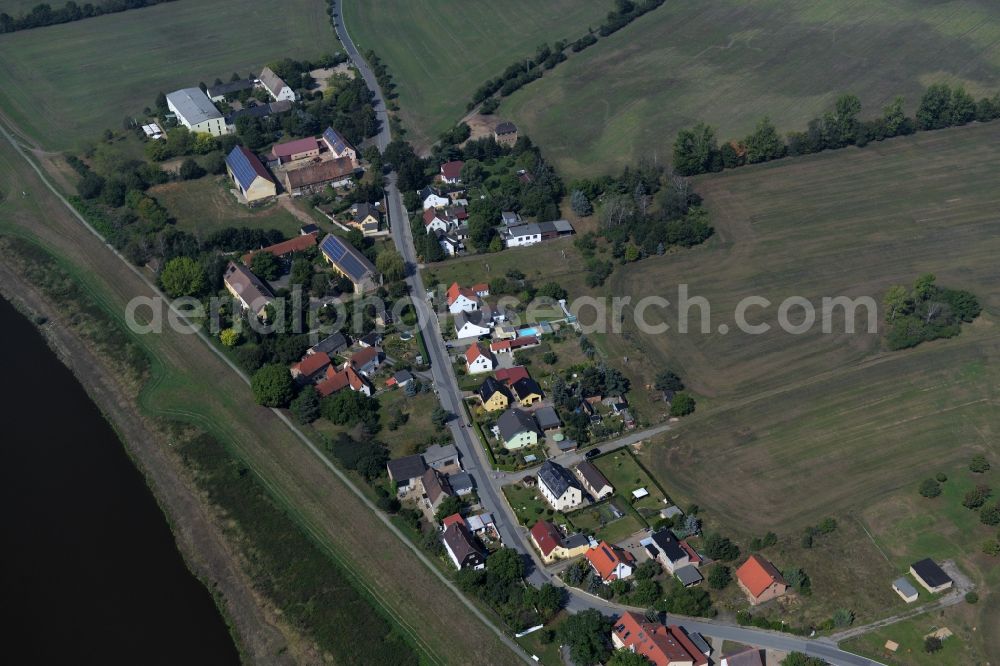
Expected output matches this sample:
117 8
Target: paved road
474 458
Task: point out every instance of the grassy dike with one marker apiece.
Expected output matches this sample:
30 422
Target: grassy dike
188 383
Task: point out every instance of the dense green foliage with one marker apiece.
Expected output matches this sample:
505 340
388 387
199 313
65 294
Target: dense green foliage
182 276
501 585
43 14
926 312
586 633
272 386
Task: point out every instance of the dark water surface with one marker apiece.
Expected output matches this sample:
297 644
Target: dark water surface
89 572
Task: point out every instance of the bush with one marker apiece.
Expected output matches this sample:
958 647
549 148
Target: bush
843 617
971 597
682 404
191 170
979 464
719 577
990 514
230 337
272 386
932 644
930 488
976 497
183 276
941 477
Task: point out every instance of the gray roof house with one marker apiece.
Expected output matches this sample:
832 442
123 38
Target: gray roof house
547 418
437 456
331 344
461 483
594 480
556 478
688 575
192 106
668 550
513 422
403 471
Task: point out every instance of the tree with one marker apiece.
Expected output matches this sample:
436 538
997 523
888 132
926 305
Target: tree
506 566
801 659
439 417
764 143
449 506
979 464
963 107
930 488
667 380
682 404
305 407
971 597
190 170
580 204
896 302
586 635
273 386
894 117
390 264
183 276
90 186
798 579
720 577
719 547
843 617
934 111
265 265
932 644
627 658
229 337
696 151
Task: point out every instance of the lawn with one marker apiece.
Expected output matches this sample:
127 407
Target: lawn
440 51
206 205
64 84
598 520
625 475
529 506
729 63
418 430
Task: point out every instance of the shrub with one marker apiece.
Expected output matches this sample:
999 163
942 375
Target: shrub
932 644
990 514
719 577
230 337
930 488
971 597
979 464
941 477
976 497
682 404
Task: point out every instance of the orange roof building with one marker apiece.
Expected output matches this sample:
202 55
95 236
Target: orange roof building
284 248
512 375
310 365
661 645
610 562
461 299
760 580
453 519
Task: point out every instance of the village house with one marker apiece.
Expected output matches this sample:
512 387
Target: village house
346 377
517 429
436 220
661 645
284 249
451 172
471 325
547 419
461 299
195 111
494 395
461 483
339 147
332 344
931 576
310 367
665 548
436 488
523 235
748 657
366 360
316 176
505 134
510 218
275 86
760 580
611 563
559 488
462 547
553 546
450 243
250 176
252 294
594 481
431 198
527 391
442 458
478 359
406 472
349 262
366 217
512 374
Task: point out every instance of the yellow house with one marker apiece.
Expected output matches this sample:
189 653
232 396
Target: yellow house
527 391
494 395
553 546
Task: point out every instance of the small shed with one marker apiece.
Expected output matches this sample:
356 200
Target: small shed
905 589
688 575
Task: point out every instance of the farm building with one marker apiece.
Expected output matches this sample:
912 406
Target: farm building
347 261
505 133
292 151
523 235
250 176
931 576
312 178
195 111
284 249
223 91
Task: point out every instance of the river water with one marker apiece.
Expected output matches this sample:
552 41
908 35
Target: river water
89 571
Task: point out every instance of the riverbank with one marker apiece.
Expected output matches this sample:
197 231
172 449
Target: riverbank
112 384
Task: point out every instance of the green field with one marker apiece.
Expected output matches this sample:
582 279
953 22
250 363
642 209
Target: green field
816 423
440 51
64 84
729 63
206 205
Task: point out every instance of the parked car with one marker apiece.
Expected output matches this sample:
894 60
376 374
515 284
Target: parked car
591 453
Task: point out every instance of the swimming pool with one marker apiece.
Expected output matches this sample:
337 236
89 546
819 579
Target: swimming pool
525 332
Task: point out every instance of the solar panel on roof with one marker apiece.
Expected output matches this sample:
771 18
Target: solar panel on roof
341 255
241 167
336 142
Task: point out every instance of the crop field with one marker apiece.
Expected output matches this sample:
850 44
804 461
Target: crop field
815 423
63 84
440 51
729 63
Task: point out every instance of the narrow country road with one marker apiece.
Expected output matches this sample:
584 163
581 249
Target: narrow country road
474 458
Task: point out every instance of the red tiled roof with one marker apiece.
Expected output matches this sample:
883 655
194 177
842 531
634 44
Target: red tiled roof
546 536
525 341
354 380
454 291
312 363
757 574
452 170
511 375
500 345
429 216
364 356
605 558
474 352
453 519
297 244
290 148
481 288
659 644
335 381
693 555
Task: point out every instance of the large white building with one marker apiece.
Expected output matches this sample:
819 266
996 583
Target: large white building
275 86
559 488
195 111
